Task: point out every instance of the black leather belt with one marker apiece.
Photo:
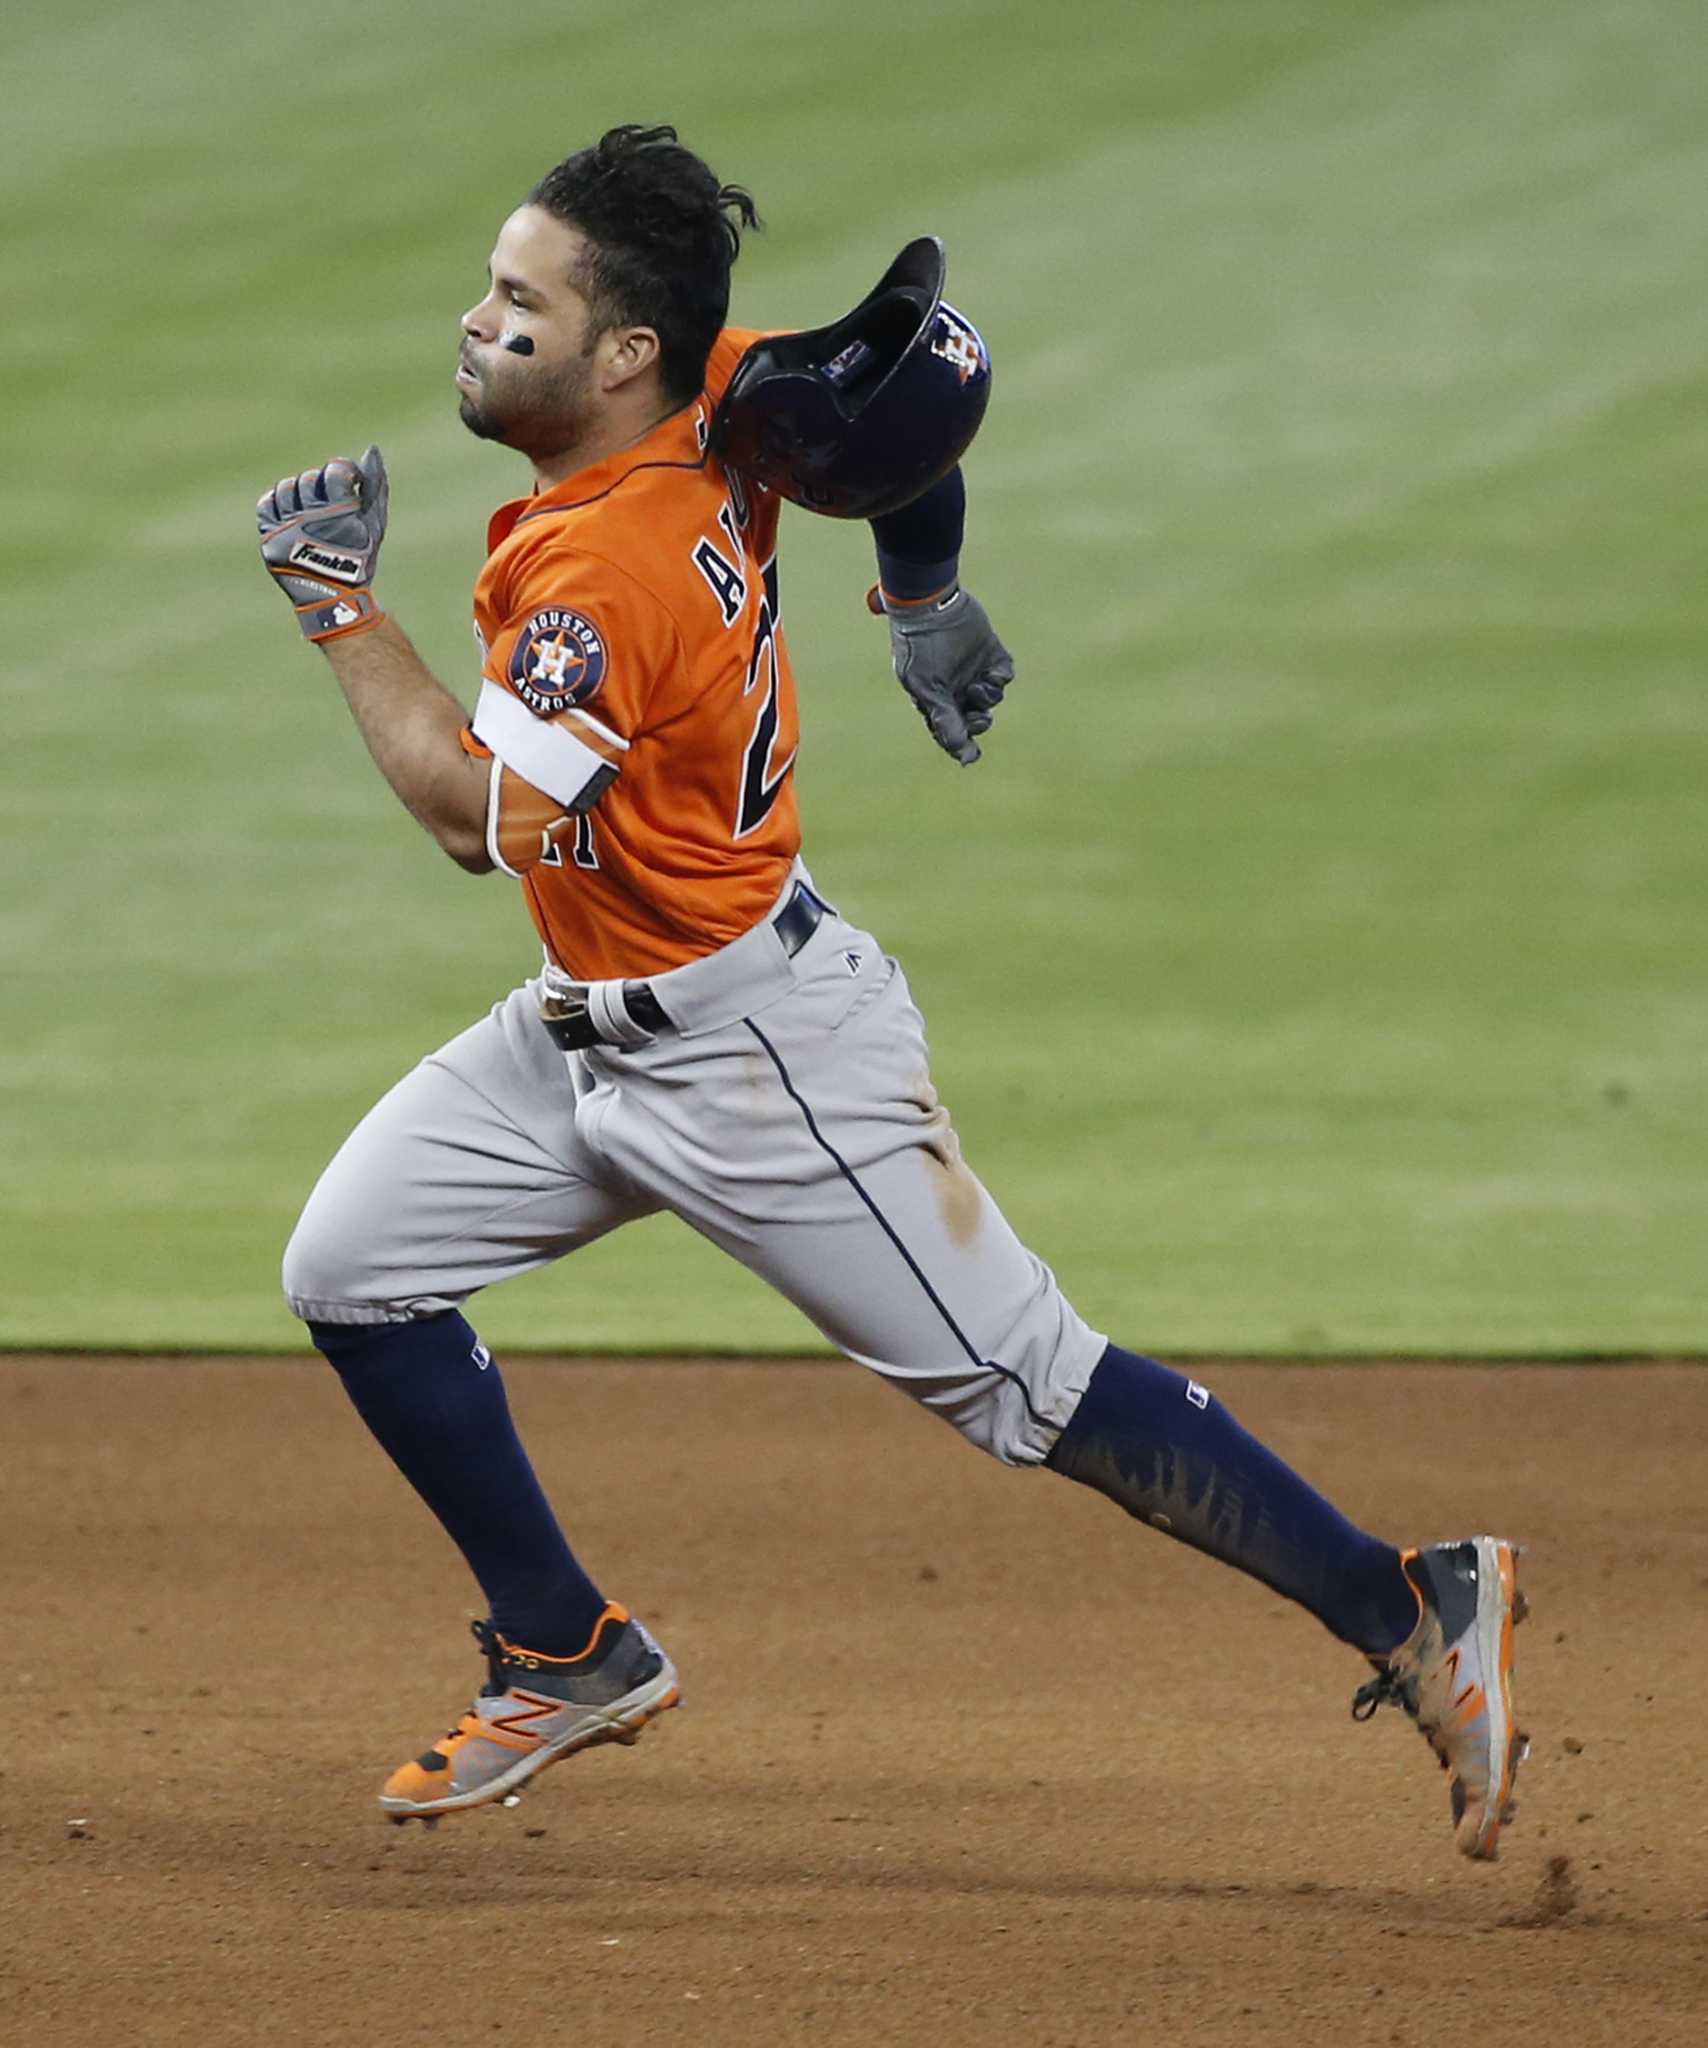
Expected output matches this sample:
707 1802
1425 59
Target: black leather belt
573 1030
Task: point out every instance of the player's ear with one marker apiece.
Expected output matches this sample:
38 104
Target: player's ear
627 353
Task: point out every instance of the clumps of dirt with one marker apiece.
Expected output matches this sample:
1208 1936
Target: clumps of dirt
1556 1891
1556 1897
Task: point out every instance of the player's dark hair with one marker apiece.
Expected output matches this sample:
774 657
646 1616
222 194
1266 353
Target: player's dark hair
663 232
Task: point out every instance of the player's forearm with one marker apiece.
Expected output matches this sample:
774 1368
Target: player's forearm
412 725
918 547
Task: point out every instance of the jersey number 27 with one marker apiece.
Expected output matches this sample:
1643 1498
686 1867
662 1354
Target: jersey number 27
762 781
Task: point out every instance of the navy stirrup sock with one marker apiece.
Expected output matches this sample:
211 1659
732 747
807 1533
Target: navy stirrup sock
431 1394
1167 1451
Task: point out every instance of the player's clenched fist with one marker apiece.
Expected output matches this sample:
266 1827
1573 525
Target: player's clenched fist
320 539
950 662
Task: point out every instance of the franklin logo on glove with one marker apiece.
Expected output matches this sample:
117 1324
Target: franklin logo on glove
347 568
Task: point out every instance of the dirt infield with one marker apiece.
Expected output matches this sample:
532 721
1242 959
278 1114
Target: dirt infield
966 1755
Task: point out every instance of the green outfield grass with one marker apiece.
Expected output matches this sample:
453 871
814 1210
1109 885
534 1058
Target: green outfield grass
1316 963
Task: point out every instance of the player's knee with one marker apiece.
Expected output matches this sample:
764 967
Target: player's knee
1017 1428
305 1277
1014 1417
1001 1422
331 1275
323 1279
1028 1383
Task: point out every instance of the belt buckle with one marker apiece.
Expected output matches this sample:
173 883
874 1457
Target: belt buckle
566 1017
559 1006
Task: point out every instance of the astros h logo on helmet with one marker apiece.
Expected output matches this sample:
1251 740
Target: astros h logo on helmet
559 660
959 343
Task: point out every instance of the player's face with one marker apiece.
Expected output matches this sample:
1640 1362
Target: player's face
544 400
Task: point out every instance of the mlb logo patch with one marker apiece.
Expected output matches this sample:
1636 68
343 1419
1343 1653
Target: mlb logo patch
558 660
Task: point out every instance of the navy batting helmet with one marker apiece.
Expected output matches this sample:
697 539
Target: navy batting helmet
861 417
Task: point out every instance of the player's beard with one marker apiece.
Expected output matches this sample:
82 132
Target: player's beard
538 409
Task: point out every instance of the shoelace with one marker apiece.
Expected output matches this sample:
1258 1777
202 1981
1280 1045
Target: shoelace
487 1636
1387 1689
1384 1690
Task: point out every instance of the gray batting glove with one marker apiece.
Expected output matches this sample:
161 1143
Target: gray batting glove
320 539
950 662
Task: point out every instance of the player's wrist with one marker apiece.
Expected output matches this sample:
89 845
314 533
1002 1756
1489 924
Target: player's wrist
918 607
884 603
903 583
339 615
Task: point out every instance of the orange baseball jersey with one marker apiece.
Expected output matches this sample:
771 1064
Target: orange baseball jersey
637 701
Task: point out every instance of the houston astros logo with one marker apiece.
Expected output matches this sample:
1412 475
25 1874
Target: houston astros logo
559 660
957 342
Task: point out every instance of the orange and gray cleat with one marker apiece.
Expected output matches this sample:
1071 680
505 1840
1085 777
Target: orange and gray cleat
1453 1676
532 1711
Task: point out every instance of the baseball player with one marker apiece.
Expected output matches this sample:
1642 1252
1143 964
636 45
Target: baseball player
707 1033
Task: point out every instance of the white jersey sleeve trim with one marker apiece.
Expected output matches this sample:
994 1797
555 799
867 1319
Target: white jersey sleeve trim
592 724
494 798
551 759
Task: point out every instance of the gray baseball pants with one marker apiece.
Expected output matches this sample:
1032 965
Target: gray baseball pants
790 1119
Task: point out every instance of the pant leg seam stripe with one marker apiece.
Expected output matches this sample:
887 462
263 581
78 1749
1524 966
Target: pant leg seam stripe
852 1178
